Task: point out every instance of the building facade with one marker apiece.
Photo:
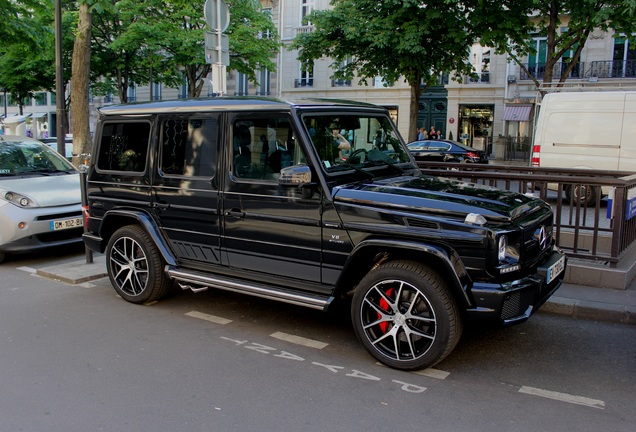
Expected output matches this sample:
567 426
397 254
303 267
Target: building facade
493 109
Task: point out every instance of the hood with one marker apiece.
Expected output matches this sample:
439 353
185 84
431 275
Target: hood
47 191
426 194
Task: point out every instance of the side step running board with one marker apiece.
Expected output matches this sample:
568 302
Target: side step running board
197 281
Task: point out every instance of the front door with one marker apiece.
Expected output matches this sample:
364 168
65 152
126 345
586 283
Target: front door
270 231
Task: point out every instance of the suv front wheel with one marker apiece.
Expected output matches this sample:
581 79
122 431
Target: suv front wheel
404 315
135 267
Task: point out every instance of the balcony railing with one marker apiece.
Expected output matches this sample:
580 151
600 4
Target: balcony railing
613 69
340 83
597 69
477 78
538 71
304 82
304 29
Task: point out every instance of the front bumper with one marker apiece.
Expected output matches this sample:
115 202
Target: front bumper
514 302
36 232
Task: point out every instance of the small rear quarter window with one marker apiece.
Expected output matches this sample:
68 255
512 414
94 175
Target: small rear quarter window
123 146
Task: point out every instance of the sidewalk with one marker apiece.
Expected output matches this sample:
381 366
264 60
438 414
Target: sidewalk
576 301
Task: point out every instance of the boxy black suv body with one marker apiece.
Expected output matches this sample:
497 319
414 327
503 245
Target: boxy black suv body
307 202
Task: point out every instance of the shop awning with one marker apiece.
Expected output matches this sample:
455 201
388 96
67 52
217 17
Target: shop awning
520 113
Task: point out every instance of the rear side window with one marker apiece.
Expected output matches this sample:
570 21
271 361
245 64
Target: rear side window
189 146
124 146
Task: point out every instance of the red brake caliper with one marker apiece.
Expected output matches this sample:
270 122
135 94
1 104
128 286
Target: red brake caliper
384 305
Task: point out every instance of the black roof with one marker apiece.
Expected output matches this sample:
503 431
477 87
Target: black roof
216 103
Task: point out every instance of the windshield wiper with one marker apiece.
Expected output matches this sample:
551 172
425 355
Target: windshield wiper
377 162
347 165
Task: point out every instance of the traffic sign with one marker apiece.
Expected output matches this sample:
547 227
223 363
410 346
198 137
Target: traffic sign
216 14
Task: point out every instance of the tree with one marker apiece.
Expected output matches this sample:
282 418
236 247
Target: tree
393 39
26 54
549 19
176 35
80 80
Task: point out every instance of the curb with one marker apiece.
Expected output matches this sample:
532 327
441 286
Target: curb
590 310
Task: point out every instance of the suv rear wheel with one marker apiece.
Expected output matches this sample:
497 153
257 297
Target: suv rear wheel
135 267
404 315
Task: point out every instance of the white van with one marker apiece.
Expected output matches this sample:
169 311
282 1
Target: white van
587 130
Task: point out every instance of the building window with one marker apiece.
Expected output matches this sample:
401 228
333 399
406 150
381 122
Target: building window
40 99
264 82
306 7
184 89
340 82
108 98
306 75
156 91
242 84
132 93
11 101
624 58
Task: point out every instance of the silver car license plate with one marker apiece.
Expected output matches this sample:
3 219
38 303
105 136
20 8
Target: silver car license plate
66 223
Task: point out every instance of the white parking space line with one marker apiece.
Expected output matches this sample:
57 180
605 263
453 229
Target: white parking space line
207 317
298 340
563 397
433 373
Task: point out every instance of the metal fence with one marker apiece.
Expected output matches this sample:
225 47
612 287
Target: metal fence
594 217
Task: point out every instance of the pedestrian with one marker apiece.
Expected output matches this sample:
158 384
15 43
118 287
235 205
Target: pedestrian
432 134
420 133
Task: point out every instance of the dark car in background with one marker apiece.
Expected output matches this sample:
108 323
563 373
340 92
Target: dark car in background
446 151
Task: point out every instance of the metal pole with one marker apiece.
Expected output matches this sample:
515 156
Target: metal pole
59 79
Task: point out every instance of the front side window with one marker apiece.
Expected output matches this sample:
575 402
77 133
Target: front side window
189 146
264 145
124 146
352 141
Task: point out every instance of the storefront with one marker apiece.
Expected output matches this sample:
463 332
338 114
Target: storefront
475 126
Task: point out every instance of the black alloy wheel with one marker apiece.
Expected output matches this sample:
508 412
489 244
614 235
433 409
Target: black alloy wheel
404 315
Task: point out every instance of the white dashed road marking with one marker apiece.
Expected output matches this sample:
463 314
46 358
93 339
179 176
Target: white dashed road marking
433 373
298 340
564 397
211 318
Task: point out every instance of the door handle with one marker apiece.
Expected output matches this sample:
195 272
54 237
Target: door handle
161 205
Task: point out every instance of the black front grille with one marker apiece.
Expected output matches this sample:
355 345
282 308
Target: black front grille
56 216
516 304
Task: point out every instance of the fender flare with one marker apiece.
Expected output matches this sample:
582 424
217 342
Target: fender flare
459 281
148 225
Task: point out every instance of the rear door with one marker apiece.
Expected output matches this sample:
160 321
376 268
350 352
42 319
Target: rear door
186 188
270 231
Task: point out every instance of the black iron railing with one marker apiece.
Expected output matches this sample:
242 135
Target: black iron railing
594 217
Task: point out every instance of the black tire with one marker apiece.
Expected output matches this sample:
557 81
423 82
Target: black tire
585 194
135 267
2 256
405 316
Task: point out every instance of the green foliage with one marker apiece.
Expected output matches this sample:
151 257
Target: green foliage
579 17
391 39
136 41
27 51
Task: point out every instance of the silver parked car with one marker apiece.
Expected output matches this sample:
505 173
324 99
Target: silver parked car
40 198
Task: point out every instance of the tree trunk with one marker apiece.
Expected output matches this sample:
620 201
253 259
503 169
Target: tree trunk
79 86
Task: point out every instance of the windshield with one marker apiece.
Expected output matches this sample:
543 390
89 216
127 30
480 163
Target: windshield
354 141
30 158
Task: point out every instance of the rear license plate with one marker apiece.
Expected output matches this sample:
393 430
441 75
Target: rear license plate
66 223
555 269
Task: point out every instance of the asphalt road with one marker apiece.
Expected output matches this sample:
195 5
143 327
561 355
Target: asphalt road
78 358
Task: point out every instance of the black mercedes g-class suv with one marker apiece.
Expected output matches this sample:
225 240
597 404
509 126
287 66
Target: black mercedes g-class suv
308 202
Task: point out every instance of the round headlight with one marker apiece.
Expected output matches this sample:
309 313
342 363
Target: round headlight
8 196
503 245
24 202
